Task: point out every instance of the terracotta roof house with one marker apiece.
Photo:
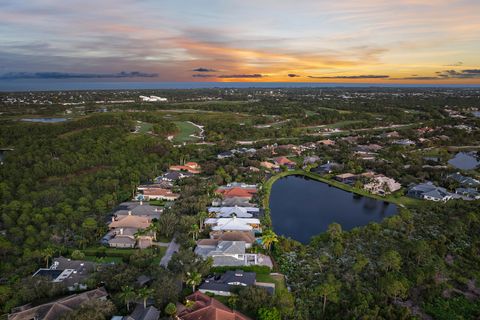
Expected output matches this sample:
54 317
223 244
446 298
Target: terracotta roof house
191 167
284 161
237 192
207 308
130 221
347 178
326 142
269 165
55 309
158 194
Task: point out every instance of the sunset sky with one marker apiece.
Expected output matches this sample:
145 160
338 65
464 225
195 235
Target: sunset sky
373 41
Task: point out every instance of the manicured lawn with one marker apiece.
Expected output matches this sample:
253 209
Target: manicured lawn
104 259
185 130
279 280
144 127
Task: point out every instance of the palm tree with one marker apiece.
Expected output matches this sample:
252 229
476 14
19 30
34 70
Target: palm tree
144 293
202 215
47 253
127 295
194 231
193 279
152 229
268 238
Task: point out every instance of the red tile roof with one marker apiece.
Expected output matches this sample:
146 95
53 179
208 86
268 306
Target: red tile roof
207 308
237 192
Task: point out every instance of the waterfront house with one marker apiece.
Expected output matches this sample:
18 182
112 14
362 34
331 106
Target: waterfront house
233 224
429 191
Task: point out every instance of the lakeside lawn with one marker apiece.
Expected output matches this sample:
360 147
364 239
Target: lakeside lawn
186 129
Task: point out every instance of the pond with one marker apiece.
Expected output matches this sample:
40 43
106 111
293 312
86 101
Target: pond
301 208
465 161
44 120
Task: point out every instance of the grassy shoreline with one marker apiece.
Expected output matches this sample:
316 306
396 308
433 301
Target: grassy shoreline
401 201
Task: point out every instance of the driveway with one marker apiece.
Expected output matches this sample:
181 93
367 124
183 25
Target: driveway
172 248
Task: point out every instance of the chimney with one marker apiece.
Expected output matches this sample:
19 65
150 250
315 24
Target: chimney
141 202
129 212
121 231
113 218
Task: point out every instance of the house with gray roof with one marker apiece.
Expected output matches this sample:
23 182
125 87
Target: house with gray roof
141 313
429 191
71 273
226 253
239 212
224 284
464 181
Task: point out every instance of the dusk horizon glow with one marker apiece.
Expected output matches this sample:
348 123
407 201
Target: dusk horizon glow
372 41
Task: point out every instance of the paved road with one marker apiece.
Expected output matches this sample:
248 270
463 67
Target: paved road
172 248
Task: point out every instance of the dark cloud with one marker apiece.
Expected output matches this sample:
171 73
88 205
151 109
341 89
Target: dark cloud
199 75
293 75
204 70
66 75
255 75
456 64
352 77
417 78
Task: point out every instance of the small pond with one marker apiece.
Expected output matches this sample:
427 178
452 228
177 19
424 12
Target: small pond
301 208
465 161
44 120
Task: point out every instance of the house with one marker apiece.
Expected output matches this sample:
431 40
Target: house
404 142
135 208
207 308
382 185
246 236
239 212
464 181
71 273
326 142
225 155
125 232
328 167
310 160
172 176
226 253
157 194
56 309
224 284
237 191
233 224
141 313
269 165
191 167
429 191
347 178
468 193
284 161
